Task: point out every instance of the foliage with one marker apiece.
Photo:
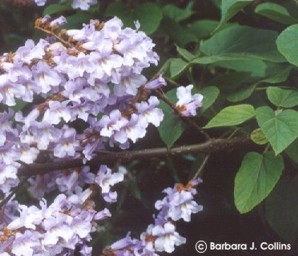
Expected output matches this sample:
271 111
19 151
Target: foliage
242 56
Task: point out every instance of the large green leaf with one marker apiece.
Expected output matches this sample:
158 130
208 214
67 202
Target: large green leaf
287 44
281 209
281 97
280 127
275 12
257 176
232 115
243 42
229 8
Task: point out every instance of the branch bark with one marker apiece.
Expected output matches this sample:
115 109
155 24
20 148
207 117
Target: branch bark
210 146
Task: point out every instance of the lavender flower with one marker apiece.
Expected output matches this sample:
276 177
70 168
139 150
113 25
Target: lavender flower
150 112
165 237
156 83
187 104
40 2
105 179
83 4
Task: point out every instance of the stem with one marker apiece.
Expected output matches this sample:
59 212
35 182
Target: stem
55 35
199 172
171 81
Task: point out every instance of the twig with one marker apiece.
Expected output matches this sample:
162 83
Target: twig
199 171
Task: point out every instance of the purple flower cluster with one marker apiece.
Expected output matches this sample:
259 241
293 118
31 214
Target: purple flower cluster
76 4
65 224
94 76
52 229
83 92
162 235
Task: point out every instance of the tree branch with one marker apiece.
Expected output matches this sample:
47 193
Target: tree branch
210 146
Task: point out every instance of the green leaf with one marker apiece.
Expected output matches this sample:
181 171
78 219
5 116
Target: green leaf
277 74
281 97
275 12
287 44
280 128
77 19
56 8
257 176
281 209
19 105
243 42
176 13
210 94
217 58
256 68
273 73
149 15
241 94
232 115
185 53
177 66
178 33
172 127
230 8
120 10
292 151
258 137
230 81
202 28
